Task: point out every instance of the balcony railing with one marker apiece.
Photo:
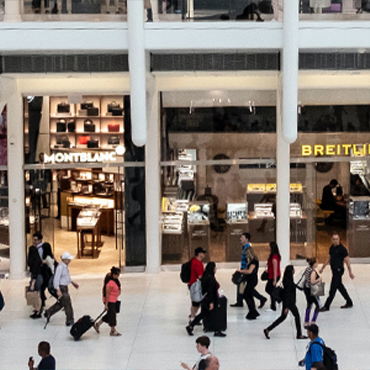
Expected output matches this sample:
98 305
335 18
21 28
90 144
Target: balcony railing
187 10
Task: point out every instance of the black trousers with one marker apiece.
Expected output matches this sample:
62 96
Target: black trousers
111 317
294 310
311 299
269 289
249 294
336 284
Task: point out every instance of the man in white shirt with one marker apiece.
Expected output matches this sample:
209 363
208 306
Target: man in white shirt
61 281
203 343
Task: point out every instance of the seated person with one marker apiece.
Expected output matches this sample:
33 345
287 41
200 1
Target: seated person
330 203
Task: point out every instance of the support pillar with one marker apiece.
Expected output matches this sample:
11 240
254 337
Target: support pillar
13 11
16 192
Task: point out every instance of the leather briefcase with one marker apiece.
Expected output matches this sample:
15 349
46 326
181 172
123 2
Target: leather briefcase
113 140
93 143
61 126
63 107
89 126
92 111
113 105
87 104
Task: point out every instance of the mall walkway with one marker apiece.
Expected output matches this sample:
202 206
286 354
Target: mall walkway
153 319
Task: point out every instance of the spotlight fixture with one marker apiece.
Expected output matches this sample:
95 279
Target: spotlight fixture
191 108
252 108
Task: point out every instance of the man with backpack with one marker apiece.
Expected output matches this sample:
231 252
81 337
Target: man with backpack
318 356
196 272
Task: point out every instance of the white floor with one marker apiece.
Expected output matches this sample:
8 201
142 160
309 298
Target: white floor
152 321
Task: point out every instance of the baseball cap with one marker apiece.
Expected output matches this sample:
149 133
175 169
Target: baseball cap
66 256
199 250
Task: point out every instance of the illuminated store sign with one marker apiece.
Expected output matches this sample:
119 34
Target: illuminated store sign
80 157
336 149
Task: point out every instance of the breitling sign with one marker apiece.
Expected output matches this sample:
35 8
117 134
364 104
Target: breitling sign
358 150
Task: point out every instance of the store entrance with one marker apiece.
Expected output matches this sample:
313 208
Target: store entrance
81 211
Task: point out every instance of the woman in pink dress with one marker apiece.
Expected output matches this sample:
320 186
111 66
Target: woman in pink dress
111 291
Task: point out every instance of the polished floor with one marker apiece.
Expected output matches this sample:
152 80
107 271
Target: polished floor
153 318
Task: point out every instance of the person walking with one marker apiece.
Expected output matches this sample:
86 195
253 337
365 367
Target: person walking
202 344
111 292
197 270
274 273
211 363
251 282
338 255
311 278
47 360
314 358
244 241
47 270
62 279
210 289
289 304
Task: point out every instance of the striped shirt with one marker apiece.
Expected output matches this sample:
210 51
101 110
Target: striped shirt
307 277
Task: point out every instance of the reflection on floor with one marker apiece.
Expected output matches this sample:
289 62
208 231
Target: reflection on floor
152 321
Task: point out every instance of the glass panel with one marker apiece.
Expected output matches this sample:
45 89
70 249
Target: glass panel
220 10
4 223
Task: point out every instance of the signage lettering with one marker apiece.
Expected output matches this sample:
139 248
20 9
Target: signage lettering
80 157
335 149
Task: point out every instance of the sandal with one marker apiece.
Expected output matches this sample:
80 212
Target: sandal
115 334
96 327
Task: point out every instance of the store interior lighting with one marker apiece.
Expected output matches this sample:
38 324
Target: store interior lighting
252 107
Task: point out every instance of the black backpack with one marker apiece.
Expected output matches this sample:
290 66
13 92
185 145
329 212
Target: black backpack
330 359
185 273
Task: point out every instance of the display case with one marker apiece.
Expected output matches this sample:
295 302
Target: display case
95 123
256 188
172 222
186 170
236 212
198 212
359 207
263 210
171 204
295 210
88 217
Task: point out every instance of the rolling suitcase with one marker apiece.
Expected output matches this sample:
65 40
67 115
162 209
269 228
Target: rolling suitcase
85 323
216 320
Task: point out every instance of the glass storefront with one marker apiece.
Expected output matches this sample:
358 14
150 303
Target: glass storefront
79 183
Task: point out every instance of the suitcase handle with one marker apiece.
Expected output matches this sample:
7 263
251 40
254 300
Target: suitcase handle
100 315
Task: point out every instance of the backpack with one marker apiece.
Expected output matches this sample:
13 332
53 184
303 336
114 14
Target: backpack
185 273
330 359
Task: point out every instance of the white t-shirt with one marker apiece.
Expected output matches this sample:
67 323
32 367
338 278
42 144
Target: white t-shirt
202 357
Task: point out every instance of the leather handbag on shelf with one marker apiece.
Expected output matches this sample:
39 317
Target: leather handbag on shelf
113 140
61 126
114 108
113 127
93 143
83 140
93 111
89 126
63 107
87 104
71 126
64 140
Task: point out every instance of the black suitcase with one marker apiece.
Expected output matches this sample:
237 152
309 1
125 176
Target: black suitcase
216 320
80 327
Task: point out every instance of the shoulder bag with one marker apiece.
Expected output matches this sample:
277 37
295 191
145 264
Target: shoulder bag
318 290
196 293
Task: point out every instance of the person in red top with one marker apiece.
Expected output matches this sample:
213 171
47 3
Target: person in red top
197 270
273 270
111 291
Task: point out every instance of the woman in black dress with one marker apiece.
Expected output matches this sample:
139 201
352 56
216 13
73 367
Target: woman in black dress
289 304
210 290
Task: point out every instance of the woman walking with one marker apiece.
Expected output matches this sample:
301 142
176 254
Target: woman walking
210 290
250 291
289 304
111 291
311 278
273 271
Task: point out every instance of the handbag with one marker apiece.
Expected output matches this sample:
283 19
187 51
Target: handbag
118 306
237 277
93 143
278 293
87 104
301 282
61 126
71 126
196 293
83 140
318 290
92 111
63 140
113 127
63 107
264 275
113 140
32 295
89 126
112 105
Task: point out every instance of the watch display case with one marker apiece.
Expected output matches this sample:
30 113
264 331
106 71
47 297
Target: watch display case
88 217
185 170
198 212
263 210
256 188
236 212
297 187
359 207
172 222
295 210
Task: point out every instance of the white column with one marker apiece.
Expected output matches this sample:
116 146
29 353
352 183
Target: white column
13 11
286 128
152 182
136 58
17 235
